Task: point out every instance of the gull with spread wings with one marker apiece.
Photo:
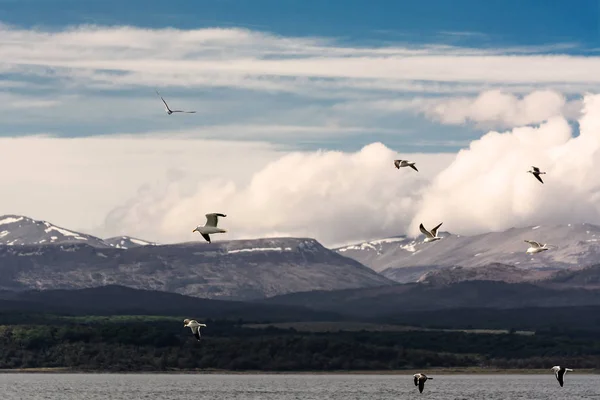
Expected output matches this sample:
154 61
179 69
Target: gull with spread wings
405 163
535 171
430 236
536 247
169 111
211 226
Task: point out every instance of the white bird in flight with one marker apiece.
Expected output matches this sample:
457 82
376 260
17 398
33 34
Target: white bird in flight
536 247
560 372
211 226
430 236
194 326
405 163
168 110
420 381
535 171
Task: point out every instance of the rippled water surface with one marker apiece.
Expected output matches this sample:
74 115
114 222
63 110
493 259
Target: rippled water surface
293 387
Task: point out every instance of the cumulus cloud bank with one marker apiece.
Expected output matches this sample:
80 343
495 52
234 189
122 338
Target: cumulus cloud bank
498 108
342 197
487 187
333 196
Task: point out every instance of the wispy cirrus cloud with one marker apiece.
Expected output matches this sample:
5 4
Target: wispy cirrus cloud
252 85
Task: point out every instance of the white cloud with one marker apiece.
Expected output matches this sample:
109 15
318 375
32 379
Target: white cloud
117 57
334 196
158 187
498 108
487 187
76 182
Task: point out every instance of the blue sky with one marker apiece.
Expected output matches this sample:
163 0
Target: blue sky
540 26
285 91
530 22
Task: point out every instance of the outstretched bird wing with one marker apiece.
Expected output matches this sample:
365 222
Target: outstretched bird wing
533 243
560 375
213 219
416 380
421 385
434 230
537 176
535 169
164 102
413 167
206 237
425 231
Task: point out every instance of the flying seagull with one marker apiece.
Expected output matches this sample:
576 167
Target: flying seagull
168 110
420 381
194 326
405 163
536 172
210 226
560 372
536 247
430 236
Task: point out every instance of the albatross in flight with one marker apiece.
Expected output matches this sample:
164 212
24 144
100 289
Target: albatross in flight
210 226
405 163
535 171
536 247
194 326
430 236
560 372
169 111
420 381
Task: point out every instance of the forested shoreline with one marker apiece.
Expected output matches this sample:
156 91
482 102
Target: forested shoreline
146 344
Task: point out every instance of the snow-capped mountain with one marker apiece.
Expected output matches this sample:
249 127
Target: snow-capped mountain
39 255
18 230
127 242
407 259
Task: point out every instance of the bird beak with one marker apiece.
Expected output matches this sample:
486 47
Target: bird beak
195 230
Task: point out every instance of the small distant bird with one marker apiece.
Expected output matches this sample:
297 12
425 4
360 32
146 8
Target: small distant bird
210 226
194 326
405 163
536 172
560 372
430 236
420 381
169 111
536 247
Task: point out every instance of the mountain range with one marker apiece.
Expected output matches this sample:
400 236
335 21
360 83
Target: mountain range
406 259
40 255
387 273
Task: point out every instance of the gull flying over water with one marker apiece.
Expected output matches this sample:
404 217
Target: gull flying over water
430 236
535 171
169 111
194 326
420 381
536 247
560 372
210 226
405 163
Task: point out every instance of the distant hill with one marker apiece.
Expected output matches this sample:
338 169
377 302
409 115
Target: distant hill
39 255
376 302
119 300
408 259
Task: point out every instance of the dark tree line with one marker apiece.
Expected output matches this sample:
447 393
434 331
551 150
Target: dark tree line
160 345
